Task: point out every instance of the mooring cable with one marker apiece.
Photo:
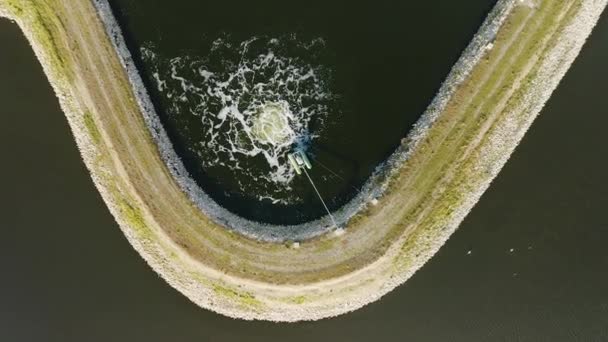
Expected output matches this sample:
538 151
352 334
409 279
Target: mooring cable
321 198
335 174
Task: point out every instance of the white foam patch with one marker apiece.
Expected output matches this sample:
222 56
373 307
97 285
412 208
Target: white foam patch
229 88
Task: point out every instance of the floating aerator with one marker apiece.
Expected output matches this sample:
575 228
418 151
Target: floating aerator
298 160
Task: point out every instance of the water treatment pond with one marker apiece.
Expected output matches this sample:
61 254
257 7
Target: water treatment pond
72 275
344 81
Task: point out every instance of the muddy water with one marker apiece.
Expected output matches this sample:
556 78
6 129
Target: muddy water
528 264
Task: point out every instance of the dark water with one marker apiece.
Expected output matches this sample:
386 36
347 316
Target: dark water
374 68
68 274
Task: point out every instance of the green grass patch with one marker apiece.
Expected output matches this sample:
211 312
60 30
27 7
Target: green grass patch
129 212
44 24
298 300
91 126
246 299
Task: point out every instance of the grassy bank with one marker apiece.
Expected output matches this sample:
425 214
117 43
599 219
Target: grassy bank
427 197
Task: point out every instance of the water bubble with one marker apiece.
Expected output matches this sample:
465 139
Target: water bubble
254 101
